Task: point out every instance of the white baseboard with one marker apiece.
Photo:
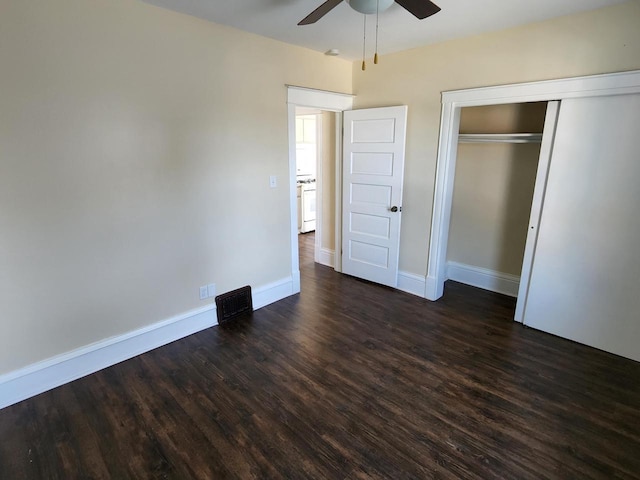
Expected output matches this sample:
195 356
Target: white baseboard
272 292
431 291
411 283
53 372
483 278
295 282
326 257
56 371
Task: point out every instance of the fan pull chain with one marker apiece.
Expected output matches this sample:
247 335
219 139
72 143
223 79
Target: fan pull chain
364 43
375 57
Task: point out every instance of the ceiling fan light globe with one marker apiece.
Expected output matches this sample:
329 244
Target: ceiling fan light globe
369 6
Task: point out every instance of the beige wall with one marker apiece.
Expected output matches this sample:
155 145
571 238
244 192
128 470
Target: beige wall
600 41
507 118
136 146
328 239
491 205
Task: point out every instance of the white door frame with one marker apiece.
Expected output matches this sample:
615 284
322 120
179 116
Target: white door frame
453 101
327 101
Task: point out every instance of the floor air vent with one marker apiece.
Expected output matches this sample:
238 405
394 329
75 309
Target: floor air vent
233 304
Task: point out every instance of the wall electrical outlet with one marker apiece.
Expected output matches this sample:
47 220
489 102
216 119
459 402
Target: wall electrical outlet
204 292
211 290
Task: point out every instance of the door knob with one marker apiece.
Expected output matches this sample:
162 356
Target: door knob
395 209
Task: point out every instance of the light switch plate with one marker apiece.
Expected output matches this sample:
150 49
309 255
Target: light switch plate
204 292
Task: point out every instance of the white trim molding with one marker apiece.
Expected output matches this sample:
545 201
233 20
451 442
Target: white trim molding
327 257
272 292
322 100
618 83
431 289
411 283
293 198
484 278
56 371
295 282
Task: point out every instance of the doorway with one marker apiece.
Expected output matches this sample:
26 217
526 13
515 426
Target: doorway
368 189
495 174
316 138
541 118
331 104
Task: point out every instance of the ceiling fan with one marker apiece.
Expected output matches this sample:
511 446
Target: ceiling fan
419 8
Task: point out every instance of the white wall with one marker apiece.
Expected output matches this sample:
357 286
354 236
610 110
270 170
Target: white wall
136 146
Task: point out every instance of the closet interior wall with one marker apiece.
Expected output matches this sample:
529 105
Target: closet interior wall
493 190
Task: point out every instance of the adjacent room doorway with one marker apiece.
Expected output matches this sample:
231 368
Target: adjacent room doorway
367 187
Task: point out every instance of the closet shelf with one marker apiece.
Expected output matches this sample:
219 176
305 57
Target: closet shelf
500 137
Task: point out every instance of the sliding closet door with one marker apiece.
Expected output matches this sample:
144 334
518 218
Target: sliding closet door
586 271
548 139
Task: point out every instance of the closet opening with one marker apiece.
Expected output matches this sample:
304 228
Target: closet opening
498 152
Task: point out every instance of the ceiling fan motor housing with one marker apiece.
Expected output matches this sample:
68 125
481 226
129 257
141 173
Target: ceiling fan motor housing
369 6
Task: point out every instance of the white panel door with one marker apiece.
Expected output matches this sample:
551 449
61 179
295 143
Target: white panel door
374 146
586 269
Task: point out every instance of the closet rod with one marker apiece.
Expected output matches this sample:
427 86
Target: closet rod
500 137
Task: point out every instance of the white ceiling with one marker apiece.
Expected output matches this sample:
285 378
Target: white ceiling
342 28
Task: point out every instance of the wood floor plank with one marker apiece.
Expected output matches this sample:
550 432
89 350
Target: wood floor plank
347 380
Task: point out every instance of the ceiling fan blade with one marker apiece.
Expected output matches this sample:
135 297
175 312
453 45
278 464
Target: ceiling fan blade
320 12
419 8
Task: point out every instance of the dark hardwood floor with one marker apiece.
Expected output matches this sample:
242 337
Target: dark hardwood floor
346 380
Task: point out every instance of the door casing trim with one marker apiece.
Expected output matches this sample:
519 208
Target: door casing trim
452 101
327 101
